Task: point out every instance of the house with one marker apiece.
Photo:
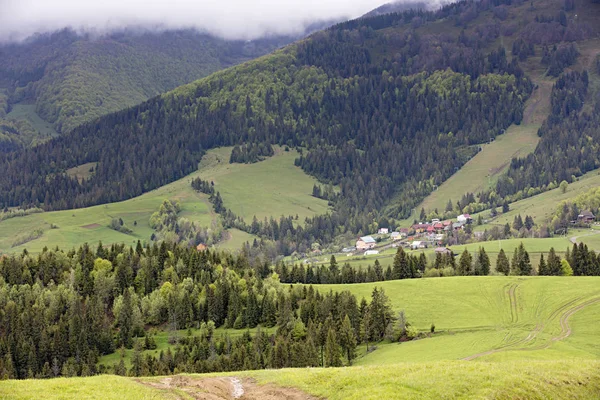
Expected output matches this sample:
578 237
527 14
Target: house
464 218
430 229
365 243
348 249
586 217
201 247
438 226
396 236
371 252
435 221
418 245
383 231
458 225
420 227
443 250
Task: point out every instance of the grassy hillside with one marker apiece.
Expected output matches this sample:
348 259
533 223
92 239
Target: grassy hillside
491 318
272 187
269 188
542 206
482 171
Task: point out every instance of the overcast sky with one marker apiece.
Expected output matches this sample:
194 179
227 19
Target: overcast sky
239 19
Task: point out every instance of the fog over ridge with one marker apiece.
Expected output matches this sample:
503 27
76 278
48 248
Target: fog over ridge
230 19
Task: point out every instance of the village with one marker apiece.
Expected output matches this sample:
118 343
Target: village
421 235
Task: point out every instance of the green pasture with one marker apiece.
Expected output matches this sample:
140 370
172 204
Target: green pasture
273 187
483 170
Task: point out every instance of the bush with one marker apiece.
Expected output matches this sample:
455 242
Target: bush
448 271
432 273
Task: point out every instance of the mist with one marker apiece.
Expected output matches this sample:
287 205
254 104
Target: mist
229 19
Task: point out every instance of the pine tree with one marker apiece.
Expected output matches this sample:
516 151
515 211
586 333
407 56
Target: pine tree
542 266
465 264
524 261
136 360
348 340
484 262
332 350
514 264
402 267
502 265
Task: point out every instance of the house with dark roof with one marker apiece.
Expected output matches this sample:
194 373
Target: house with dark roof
586 217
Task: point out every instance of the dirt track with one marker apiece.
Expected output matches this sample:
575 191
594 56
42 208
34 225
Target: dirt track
224 388
565 312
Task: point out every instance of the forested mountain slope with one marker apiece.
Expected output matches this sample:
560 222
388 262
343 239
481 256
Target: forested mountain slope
385 107
74 78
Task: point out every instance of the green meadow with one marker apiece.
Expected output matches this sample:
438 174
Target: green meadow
272 187
495 338
445 380
483 170
490 318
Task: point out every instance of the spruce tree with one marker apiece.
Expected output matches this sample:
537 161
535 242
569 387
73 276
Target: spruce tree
332 350
524 261
348 340
502 265
484 262
553 266
465 264
542 266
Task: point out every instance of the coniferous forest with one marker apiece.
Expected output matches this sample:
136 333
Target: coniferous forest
62 310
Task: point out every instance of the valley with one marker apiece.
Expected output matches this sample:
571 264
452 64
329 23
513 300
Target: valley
399 206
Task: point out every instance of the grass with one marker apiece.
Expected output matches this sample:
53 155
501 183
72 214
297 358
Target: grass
102 387
272 187
82 172
483 170
494 317
445 380
27 112
542 206
236 239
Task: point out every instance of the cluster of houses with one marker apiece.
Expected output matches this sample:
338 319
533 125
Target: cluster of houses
418 236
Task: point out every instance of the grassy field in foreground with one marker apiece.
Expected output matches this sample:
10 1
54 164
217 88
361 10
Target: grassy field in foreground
102 387
272 187
446 380
483 170
566 379
538 317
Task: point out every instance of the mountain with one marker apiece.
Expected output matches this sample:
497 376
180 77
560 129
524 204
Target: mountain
52 83
385 107
396 7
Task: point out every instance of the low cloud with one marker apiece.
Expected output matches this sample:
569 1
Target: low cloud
231 19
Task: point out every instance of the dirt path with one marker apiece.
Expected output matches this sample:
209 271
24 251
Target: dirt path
573 239
223 388
567 311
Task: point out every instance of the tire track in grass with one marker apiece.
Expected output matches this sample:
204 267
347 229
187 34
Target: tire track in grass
565 311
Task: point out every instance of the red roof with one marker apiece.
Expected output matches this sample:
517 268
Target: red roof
438 225
430 229
446 223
